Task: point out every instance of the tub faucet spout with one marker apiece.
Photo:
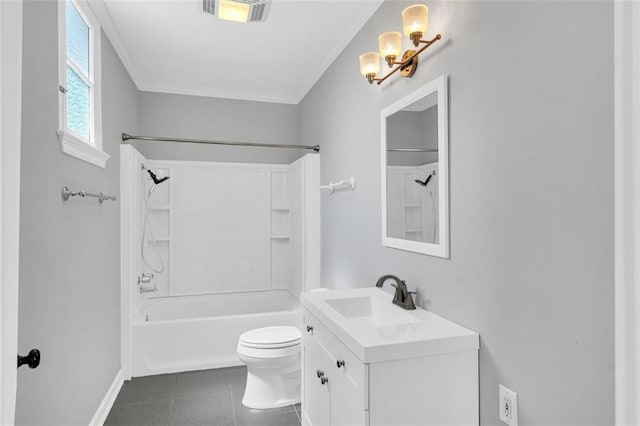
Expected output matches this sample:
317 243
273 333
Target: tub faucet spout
148 289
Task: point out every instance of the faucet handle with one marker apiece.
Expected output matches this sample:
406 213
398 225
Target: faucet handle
409 303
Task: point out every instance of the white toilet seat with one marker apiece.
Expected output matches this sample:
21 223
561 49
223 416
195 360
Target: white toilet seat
269 353
273 346
271 337
270 342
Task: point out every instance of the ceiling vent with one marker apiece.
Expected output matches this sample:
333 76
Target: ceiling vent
257 8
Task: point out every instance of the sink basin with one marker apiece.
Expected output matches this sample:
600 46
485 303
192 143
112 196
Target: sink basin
372 311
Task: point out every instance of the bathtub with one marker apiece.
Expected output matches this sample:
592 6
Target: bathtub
183 333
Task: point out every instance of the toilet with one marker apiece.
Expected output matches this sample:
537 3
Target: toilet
272 357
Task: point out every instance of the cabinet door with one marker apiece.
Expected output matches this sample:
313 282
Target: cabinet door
349 390
315 394
346 375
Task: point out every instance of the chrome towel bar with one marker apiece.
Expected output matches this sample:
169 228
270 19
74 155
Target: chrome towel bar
66 193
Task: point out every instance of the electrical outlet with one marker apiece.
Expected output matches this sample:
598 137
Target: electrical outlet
508 406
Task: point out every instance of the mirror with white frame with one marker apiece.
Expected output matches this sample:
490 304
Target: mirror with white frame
415 169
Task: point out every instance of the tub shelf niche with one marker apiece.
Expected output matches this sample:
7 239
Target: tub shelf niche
280 229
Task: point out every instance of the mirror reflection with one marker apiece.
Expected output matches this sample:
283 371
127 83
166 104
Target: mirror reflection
412 172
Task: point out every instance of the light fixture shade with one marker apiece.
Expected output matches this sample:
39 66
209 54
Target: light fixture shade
415 19
390 44
369 63
233 11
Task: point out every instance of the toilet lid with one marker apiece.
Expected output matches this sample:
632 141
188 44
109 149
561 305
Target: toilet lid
271 337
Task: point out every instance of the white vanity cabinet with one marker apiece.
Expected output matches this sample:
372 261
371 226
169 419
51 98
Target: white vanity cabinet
413 369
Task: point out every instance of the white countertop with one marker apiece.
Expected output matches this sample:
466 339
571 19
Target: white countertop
400 334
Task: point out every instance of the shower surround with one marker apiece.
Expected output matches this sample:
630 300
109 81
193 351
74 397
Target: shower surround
238 241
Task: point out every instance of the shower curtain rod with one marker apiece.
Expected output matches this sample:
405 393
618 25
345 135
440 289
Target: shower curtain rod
126 137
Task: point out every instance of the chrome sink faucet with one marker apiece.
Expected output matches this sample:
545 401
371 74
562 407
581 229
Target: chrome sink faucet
402 297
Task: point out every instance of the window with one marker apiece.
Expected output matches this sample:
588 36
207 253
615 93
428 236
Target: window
80 126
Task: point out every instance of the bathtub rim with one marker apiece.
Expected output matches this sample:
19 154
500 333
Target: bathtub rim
138 317
141 323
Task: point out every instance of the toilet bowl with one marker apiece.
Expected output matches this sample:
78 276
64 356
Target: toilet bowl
272 357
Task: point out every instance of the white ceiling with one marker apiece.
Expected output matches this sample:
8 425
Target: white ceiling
173 47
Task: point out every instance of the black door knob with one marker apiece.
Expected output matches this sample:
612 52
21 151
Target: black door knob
32 359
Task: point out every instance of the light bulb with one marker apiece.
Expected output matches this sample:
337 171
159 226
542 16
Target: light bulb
390 44
415 22
369 63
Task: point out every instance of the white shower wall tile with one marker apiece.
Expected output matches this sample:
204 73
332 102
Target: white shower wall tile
221 228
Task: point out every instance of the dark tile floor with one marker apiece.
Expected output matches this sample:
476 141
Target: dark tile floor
208 397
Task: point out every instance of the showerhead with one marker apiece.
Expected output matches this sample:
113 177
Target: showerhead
426 181
155 179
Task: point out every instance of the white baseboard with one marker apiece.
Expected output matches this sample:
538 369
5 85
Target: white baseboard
107 402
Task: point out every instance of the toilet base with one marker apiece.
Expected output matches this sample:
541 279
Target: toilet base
272 382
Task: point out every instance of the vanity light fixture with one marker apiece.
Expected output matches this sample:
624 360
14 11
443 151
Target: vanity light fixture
415 23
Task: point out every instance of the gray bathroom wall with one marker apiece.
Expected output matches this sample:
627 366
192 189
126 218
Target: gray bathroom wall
195 117
69 304
531 184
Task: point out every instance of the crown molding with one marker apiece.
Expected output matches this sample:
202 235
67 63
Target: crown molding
112 32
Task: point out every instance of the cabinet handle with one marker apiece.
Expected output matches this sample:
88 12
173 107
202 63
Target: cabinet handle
340 363
309 329
320 373
324 380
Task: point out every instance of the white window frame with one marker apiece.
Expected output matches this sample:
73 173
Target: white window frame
89 150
